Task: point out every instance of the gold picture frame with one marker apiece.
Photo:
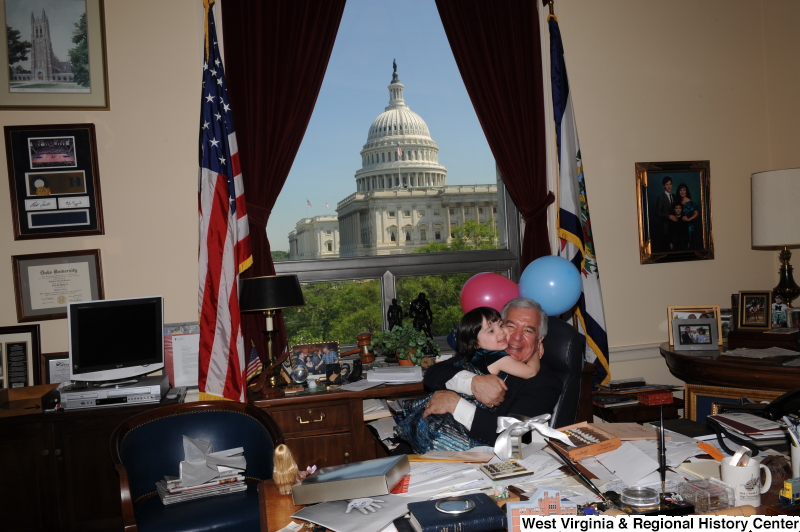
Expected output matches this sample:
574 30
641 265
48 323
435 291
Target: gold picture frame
664 237
686 313
755 310
699 398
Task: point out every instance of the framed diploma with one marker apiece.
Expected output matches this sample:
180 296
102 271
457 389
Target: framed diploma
19 352
44 283
53 368
54 181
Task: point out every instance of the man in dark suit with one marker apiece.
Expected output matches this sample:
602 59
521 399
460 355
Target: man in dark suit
664 211
686 336
526 326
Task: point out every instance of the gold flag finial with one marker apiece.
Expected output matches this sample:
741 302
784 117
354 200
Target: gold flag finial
207 4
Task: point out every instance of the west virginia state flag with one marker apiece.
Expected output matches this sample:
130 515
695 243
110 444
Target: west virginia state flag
574 225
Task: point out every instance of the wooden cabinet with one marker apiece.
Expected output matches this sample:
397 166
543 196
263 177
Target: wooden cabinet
57 470
327 428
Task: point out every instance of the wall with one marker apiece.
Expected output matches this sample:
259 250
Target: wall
147 149
677 81
651 81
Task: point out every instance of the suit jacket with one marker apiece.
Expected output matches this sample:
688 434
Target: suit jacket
528 397
664 209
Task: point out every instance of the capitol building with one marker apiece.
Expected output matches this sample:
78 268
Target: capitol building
402 200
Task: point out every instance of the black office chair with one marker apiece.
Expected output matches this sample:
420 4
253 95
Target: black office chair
149 446
564 350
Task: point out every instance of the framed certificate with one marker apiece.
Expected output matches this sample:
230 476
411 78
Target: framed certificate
19 354
53 368
44 283
54 181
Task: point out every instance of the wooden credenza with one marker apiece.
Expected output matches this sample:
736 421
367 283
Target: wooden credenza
57 471
327 428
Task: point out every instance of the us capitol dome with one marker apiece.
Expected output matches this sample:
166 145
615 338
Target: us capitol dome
402 201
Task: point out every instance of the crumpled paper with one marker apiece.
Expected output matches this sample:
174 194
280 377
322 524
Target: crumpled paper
511 427
201 464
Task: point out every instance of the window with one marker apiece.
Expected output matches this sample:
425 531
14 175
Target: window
421 213
436 212
408 236
423 235
407 214
480 210
466 212
437 234
328 232
452 212
329 246
391 214
392 238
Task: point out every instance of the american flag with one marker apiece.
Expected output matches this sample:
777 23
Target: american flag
308 203
224 242
254 365
399 151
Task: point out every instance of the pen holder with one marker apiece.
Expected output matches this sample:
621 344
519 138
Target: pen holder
795 461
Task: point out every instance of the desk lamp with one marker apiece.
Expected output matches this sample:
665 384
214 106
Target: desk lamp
776 221
268 294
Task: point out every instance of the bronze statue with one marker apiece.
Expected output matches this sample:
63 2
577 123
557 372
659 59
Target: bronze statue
420 312
394 316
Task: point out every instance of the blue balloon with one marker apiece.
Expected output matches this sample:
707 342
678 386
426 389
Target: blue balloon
553 282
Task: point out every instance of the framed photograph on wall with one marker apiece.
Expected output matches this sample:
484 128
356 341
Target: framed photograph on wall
315 356
755 310
704 312
54 181
53 368
674 207
54 55
699 398
44 283
19 356
695 335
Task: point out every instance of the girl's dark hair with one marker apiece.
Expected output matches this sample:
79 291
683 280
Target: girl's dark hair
683 185
470 326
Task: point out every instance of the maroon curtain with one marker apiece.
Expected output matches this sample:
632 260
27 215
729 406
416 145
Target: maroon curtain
276 54
497 48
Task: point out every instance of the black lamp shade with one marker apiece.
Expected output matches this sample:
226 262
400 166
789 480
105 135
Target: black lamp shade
272 292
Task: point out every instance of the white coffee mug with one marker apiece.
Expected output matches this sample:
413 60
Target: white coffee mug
746 481
795 461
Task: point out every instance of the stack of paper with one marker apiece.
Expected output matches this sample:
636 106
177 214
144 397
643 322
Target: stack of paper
750 425
395 375
375 409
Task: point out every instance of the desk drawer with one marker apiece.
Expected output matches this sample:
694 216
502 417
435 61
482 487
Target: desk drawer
319 419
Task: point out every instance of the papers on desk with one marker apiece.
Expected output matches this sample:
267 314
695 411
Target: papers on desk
331 514
375 409
358 386
395 375
770 352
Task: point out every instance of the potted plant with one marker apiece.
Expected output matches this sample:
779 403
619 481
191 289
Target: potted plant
409 344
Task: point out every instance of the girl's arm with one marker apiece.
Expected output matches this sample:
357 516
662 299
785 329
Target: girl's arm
514 367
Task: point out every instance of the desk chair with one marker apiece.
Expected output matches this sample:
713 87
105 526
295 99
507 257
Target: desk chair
149 446
564 354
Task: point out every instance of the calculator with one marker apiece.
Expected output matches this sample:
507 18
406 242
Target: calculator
505 470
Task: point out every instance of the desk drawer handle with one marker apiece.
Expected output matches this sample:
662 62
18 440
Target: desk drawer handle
321 417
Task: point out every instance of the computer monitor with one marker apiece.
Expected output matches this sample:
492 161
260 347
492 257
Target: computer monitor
115 338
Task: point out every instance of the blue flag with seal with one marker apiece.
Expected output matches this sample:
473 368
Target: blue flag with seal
574 224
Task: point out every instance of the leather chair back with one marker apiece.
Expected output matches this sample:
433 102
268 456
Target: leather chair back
150 445
564 350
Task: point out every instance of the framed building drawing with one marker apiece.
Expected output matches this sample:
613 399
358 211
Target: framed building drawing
54 55
699 398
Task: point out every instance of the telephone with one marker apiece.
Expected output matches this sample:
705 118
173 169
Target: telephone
787 404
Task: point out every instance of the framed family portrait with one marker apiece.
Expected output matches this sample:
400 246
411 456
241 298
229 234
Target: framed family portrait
315 356
19 356
674 210
54 181
755 310
54 55
701 312
44 283
695 335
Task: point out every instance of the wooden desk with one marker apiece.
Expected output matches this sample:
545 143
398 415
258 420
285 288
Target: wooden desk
711 368
327 428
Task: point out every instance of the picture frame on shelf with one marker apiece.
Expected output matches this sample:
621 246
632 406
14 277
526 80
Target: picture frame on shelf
699 398
314 355
755 310
667 236
20 351
71 76
44 283
693 313
778 312
696 335
53 368
54 181
793 318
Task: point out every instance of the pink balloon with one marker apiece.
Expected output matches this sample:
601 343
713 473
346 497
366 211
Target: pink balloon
488 290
